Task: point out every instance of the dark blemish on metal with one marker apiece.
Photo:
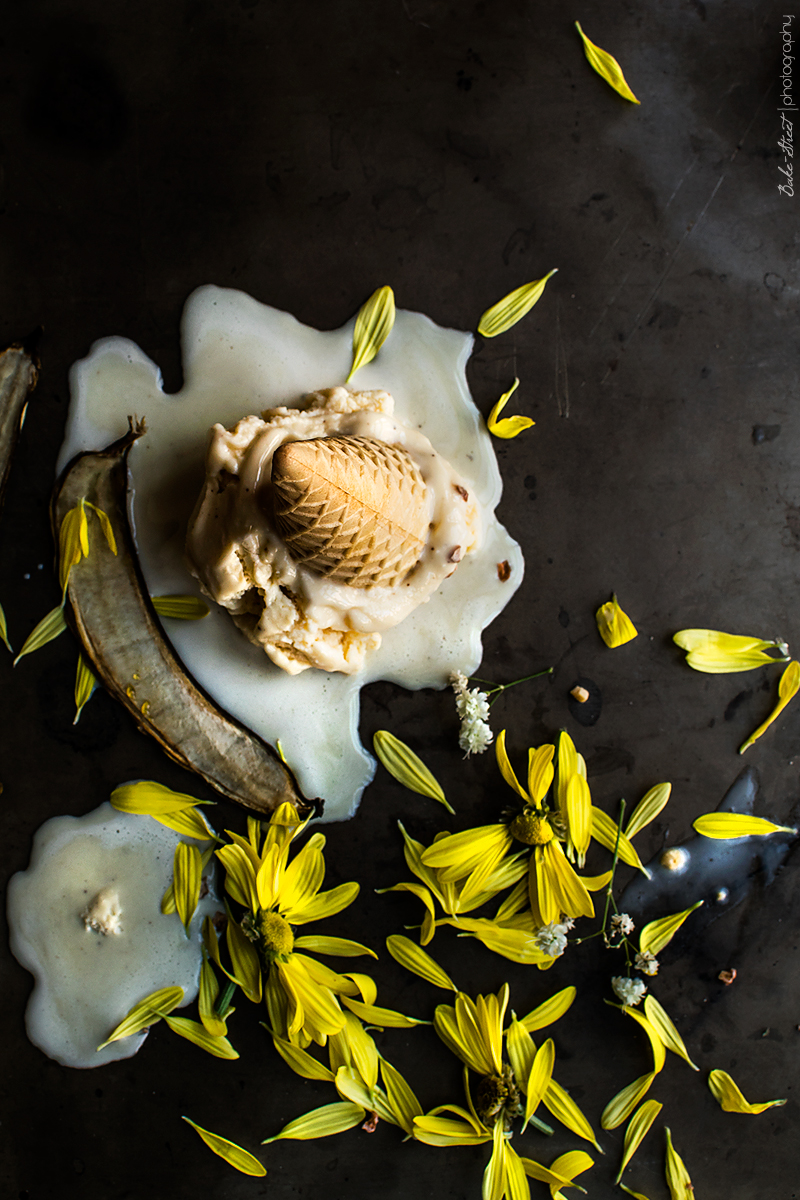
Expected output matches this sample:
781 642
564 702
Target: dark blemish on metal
607 759
563 618
736 702
588 712
765 433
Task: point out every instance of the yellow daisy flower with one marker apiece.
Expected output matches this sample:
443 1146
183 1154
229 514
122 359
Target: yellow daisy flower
554 888
301 994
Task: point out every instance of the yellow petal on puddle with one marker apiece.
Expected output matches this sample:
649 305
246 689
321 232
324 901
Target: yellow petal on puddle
373 326
565 1110
787 690
648 808
550 1011
678 1180
149 1010
727 826
187 869
46 631
219 1047
636 1132
657 934
146 798
606 67
406 767
661 1022
206 1000
85 683
620 1107
507 427
234 1155
188 823
718 653
606 832
512 308
180 608
418 962
615 627
4 630
731 1100
321 1122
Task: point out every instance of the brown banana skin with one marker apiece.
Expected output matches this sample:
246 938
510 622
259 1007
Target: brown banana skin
109 608
18 375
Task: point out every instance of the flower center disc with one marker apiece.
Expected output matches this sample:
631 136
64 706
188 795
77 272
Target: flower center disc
490 1098
275 933
532 829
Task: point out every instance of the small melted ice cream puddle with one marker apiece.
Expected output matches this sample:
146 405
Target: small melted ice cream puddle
240 358
104 871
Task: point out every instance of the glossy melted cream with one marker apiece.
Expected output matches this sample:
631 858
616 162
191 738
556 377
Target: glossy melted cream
87 980
241 357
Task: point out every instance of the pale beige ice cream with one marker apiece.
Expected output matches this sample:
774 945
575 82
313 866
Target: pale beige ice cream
300 616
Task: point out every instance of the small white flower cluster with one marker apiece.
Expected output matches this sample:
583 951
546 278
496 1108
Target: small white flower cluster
622 923
647 963
629 991
552 939
473 711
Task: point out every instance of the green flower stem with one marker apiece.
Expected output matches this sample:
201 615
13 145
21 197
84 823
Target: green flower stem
225 997
542 1126
495 689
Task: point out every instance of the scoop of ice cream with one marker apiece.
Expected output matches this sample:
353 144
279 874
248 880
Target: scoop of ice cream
321 526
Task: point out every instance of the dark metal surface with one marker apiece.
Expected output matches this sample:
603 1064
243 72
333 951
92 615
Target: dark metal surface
308 153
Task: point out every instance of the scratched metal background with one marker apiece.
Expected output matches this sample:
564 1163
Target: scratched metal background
307 153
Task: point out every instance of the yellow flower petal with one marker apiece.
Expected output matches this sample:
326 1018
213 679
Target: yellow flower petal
567 767
341 947
402 1099
85 683
539 1078
146 1012
4 630
301 1062
207 997
147 798
457 855
325 904
636 1132
517 945
373 325
678 1181
605 831
415 959
718 653
540 771
512 308
565 1110
550 1011
240 878
494 1176
656 1045
105 525
573 1163
188 823
571 896
321 1122
648 808
187 869
657 934
787 689
666 1030
615 627
384 1018
606 67
244 961
219 1047
730 1098
229 1151
579 815
620 1107
301 880
180 608
406 767
506 770
727 826
636 1195
443 1131
595 883
508 427
46 631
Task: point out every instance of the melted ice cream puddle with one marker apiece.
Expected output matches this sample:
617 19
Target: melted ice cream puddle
86 981
241 357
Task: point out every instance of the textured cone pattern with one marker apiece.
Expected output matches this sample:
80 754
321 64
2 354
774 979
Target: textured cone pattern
353 509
